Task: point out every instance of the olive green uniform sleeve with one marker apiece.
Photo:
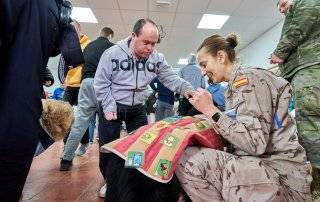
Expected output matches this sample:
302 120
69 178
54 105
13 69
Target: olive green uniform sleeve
299 22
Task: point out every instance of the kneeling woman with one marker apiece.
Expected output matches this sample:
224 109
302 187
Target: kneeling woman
266 161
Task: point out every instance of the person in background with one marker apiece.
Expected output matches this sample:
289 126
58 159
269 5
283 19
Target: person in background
265 161
165 100
58 93
191 73
72 84
48 79
87 104
297 55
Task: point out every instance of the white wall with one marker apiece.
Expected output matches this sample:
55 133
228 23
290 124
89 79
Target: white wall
258 51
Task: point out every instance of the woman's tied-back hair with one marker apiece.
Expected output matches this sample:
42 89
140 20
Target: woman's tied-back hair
216 43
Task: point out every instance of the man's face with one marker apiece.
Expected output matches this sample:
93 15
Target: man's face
144 44
284 6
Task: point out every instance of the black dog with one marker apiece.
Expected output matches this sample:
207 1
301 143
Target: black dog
129 185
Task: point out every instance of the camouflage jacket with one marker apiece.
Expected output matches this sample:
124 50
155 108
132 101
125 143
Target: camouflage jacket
299 44
257 123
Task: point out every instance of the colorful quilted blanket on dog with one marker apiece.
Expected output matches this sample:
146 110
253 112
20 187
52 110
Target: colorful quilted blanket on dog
155 149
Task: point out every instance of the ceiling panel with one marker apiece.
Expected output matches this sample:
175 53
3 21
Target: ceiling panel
160 18
131 16
103 4
249 19
183 31
105 16
238 23
187 20
192 6
223 7
79 3
134 4
170 9
258 8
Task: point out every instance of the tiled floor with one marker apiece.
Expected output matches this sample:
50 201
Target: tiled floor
46 183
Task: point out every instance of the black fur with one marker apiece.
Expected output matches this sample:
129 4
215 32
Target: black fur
129 185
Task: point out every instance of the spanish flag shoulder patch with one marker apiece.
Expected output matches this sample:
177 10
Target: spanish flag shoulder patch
241 81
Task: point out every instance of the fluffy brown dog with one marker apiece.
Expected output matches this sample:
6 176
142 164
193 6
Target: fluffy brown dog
56 118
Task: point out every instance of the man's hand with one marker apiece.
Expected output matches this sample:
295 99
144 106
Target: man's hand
202 101
111 116
275 59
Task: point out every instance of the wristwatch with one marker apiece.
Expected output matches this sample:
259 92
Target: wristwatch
216 116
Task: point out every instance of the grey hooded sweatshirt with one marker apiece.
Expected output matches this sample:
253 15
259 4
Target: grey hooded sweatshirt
120 78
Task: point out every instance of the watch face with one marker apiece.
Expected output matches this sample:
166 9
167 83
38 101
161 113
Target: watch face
216 116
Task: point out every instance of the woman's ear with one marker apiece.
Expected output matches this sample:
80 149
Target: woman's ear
221 57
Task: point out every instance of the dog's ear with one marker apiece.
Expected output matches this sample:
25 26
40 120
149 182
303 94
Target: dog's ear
45 106
56 118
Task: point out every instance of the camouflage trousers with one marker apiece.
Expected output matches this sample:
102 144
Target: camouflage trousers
211 175
306 91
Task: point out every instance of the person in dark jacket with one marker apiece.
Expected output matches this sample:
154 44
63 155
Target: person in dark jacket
87 104
47 78
165 100
28 34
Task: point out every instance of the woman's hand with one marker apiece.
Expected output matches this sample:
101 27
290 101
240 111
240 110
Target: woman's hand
202 101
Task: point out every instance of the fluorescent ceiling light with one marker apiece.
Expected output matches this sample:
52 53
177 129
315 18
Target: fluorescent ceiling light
183 61
83 15
209 21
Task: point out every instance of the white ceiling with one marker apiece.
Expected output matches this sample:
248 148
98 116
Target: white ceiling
248 18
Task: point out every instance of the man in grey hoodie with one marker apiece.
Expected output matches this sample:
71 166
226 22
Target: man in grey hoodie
120 84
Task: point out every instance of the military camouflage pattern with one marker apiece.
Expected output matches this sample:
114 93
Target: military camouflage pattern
267 162
306 85
299 44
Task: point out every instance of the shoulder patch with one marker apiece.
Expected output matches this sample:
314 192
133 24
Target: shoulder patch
241 81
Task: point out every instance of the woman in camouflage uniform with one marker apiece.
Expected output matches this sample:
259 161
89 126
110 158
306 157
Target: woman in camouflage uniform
266 161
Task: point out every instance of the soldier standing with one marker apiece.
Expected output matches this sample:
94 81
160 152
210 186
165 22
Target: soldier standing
266 161
298 56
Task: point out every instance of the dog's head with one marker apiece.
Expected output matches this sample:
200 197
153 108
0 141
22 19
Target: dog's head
56 118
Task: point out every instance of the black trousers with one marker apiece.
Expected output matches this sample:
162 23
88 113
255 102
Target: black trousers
134 117
71 95
28 29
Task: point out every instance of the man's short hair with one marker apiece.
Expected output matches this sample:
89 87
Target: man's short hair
106 32
140 23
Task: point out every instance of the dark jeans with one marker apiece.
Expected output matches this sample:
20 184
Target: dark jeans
134 117
71 96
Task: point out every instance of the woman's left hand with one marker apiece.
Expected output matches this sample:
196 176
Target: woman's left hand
202 101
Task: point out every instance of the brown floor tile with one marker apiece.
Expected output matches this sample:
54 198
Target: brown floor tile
46 183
